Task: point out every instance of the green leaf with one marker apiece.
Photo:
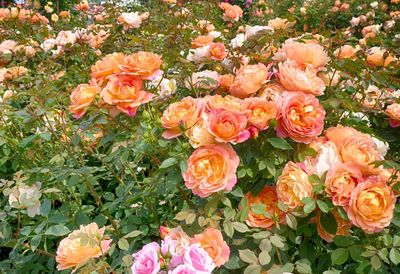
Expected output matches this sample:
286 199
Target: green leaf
291 221
133 234
57 230
279 143
45 207
123 244
325 207
248 256
303 266
35 241
261 235
355 252
339 256
264 258
168 163
376 262
394 256
228 229
240 227
328 222
277 241
309 205
237 192
252 269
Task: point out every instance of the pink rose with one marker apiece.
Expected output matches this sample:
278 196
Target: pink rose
300 117
198 260
147 260
183 269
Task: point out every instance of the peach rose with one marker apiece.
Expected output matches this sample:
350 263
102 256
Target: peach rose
393 111
371 205
231 12
294 79
106 67
212 241
305 53
327 157
339 133
74 251
347 52
360 149
227 126
271 91
376 57
126 93
202 41
267 197
143 64
293 185
279 23
130 20
261 112
228 103
81 98
249 80
343 227
199 136
217 51
300 117
211 168
226 81
340 182
184 114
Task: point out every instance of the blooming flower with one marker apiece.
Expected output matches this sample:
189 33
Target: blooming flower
146 261
24 196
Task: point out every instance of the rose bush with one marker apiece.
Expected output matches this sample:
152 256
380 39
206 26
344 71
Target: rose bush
200 137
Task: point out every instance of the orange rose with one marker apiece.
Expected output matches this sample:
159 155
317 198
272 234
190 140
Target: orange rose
293 185
279 23
228 103
81 98
142 64
371 205
249 80
300 117
217 51
343 227
106 67
211 168
126 93
339 133
393 111
225 81
341 181
260 112
202 41
347 52
294 79
232 12
184 114
199 136
212 241
376 57
228 126
81 246
305 53
267 197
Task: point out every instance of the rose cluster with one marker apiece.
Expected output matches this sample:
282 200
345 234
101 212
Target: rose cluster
181 254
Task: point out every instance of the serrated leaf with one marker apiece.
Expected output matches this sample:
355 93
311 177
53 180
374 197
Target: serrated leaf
168 163
248 256
279 143
394 256
376 262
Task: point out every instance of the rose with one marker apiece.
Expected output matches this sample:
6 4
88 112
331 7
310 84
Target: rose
341 181
202 41
376 57
343 227
183 114
249 80
81 98
129 20
260 112
206 79
279 23
183 269
126 93
24 196
393 111
227 126
64 38
106 67
294 79
293 185
225 81
212 241
142 64
147 260
228 103
347 52
199 136
268 198
231 12
80 246
371 205
339 133
198 260
300 116
211 168
217 51
327 157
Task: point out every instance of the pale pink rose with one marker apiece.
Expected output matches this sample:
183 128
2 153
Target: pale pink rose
300 117
340 182
295 79
198 260
183 269
227 126
211 168
199 135
8 46
326 159
74 251
206 79
48 44
199 54
129 20
371 205
305 54
26 197
249 80
64 38
147 261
